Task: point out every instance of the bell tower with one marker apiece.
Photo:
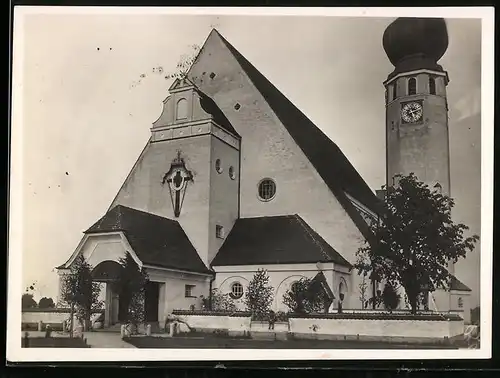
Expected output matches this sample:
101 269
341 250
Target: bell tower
417 138
416 104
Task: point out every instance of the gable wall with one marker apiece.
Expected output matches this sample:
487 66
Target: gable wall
143 189
267 150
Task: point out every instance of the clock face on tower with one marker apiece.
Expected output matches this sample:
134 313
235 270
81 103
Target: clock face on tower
411 112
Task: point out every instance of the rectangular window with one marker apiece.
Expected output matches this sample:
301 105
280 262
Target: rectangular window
219 231
188 291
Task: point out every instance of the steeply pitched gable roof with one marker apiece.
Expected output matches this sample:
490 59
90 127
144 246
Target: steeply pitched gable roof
322 152
285 239
329 161
156 240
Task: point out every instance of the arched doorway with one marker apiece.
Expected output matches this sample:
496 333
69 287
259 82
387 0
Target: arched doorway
108 272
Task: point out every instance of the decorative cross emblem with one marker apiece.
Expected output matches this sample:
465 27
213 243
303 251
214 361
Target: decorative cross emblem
177 178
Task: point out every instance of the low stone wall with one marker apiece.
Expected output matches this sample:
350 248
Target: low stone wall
232 322
380 327
46 316
51 316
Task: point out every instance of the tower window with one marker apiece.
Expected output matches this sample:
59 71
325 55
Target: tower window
412 86
432 86
237 106
460 302
267 189
182 109
218 166
212 75
231 173
395 91
219 231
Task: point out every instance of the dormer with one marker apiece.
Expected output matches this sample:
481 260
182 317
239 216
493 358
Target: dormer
188 112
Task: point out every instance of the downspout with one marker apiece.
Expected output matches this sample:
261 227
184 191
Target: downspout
212 279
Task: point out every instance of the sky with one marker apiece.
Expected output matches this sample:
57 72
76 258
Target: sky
92 88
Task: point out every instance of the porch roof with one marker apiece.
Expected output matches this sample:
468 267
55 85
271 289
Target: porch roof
284 239
157 241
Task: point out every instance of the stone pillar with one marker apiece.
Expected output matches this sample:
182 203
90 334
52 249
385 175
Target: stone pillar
161 303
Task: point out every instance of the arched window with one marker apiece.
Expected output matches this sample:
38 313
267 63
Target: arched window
432 85
218 166
232 175
182 109
267 189
236 290
394 91
412 86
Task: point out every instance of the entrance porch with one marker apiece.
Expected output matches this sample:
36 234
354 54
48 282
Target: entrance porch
115 310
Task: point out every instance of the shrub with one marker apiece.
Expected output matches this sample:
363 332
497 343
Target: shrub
300 299
46 303
27 301
221 302
259 295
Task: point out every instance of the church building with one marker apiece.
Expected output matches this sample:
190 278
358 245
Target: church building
234 178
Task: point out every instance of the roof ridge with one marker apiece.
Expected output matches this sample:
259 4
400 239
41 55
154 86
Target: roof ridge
303 224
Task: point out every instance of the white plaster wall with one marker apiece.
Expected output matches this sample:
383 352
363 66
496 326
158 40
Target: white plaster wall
49 317
231 323
103 248
172 290
387 328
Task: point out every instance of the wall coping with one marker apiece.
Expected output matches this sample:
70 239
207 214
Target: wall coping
232 314
54 310
385 316
382 316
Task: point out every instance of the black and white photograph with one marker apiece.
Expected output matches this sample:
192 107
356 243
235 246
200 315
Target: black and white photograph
283 183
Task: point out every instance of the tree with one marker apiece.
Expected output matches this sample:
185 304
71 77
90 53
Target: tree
27 301
415 240
81 292
300 298
46 303
363 290
390 297
259 295
132 289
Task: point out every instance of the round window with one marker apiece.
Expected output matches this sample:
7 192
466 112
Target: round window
267 189
218 166
231 173
236 290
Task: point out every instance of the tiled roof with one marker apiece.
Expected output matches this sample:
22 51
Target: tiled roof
156 240
458 285
211 107
285 239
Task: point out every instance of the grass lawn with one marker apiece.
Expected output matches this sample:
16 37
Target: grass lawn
210 342
54 342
